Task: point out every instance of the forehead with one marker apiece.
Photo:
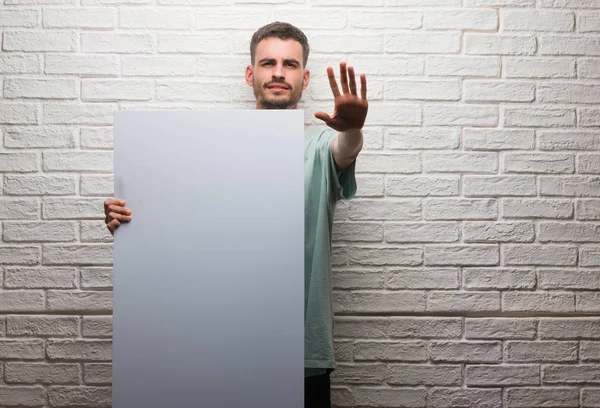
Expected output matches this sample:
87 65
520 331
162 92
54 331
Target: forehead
277 48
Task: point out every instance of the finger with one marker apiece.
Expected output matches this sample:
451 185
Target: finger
107 203
323 116
344 78
118 209
332 82
352 81
123 218
113 225
363 86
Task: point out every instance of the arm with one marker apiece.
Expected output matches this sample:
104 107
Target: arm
346 147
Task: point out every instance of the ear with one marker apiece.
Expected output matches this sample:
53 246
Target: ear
306 79
249 75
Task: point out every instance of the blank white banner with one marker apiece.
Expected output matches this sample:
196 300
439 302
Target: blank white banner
209 274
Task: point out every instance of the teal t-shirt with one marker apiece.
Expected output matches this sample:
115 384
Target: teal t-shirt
324 186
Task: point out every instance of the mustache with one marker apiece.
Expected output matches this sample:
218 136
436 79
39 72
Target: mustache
278 82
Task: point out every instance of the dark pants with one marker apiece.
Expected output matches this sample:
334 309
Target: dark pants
317 392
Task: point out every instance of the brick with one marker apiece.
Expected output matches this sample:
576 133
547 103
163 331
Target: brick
453 397
542 117
500 328
19 114
40 278
421 186
588 68
462 255
171 65
498 232
19 18
80 254
77 350
388 397
499 3
377 64
210 43
569 93
61 2
39 231
95 42
23 396
587 302
390 351
502 375
370 19
499 44
357 278
39 185
568 232
40 41
394 115
588 163
162 18
425 327
196 91
460 115
333 43
421 232
19 255
545 397
588 117
568 140
43 326
22 349
537 67
96 278
438 278
460 162
78 161
97 373
22 300
536 20
325 19
419 3
529 302
397 163
361 327
569 3
80 395
97 185
423 138
19 162
507 186
543 254
498 91
463 301
570 186
397 210
424 375
589 257
345 231
498 278
362 374
460 19
588 22
96 137
419 43
539 163
442 65
97 326
439 209
88 17
540 351
73 208
116 89
386 256
104 65
79 114
498 139
19 208
386 302
589 350
15 63
590 397
588 210
39 137
443 90
568 45
42 373
466 352
569 328
536 208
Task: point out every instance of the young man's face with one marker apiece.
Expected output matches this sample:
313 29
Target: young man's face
278 75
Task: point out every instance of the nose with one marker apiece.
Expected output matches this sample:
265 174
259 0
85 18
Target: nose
278 70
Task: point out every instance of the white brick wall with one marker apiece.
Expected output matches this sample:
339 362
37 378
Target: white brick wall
466 270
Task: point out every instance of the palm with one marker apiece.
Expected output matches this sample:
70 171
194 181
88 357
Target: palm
350 110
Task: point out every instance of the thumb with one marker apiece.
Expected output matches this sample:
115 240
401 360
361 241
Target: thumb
323 116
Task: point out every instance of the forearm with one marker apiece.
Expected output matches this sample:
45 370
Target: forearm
350 144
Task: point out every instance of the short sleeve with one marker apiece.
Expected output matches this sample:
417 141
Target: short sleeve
343 180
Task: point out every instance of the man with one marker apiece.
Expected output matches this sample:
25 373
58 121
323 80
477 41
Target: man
278 75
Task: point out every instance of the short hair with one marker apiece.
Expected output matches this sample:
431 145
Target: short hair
284 31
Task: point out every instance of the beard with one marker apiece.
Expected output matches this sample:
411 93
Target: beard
285 100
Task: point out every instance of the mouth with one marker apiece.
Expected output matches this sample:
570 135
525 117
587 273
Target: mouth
278 87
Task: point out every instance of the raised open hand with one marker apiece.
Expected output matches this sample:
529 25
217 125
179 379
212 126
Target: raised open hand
350 110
